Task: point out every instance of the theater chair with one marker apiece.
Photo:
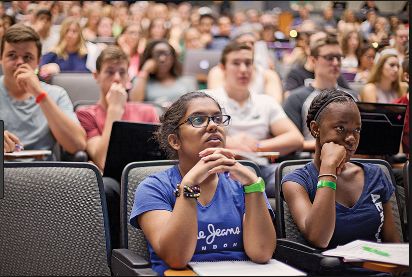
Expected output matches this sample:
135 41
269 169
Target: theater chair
54 220
293 249
132 259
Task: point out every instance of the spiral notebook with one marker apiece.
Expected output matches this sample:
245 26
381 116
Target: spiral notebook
244 268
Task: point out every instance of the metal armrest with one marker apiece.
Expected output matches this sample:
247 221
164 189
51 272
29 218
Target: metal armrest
306 258
126 263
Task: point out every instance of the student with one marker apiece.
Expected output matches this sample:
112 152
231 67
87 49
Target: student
258 121
160 77
11 142
326 56
69 54
334 201
112 76
264 80
180 210
384 83
37 113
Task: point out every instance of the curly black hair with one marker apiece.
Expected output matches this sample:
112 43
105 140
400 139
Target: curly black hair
170 119
322 100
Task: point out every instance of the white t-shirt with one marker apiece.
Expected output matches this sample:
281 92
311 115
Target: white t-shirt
254 118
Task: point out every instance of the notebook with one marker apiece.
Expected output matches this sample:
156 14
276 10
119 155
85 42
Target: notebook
392 253
244 268
199 61
131 142
382 126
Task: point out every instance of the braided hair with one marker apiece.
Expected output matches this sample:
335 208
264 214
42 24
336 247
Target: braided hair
322 100
171 117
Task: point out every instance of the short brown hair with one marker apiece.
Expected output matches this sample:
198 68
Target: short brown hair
232 47
21 33
328 40
111 53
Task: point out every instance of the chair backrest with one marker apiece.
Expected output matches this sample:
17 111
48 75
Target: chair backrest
133 174
79 86
54 220
286 227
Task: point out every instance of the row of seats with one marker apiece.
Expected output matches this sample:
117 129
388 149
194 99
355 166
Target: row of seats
54 221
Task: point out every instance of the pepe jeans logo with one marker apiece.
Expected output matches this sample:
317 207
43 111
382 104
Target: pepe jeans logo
216 232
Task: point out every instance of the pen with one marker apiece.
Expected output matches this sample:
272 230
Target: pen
375 251
18 147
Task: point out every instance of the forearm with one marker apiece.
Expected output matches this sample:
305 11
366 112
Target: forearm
273 87
98 151
138 92
320 223
69 134
284 143
309 145
259 234
177 242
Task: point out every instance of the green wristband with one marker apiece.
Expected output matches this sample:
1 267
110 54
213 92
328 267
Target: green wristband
259 186
325 183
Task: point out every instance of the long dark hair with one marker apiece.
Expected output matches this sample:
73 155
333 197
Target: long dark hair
176 69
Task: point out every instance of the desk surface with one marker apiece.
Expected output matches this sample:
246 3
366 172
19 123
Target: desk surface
24 154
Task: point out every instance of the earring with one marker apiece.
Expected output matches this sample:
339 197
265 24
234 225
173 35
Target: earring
316 135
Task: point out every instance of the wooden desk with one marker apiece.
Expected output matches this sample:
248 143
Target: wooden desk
180 272
383 267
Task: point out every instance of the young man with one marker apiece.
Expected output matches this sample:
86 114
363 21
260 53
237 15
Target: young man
49 34
258 121
326 56
36 113
111 75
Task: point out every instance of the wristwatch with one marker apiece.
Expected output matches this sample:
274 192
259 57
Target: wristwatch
259 186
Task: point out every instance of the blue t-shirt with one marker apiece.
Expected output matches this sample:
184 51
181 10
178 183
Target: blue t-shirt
220 230
74 63
362 221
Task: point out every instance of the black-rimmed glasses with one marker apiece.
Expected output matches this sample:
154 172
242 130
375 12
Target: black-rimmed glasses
200 121
332 57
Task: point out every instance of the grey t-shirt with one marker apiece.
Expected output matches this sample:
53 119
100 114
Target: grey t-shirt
26 120
167 94
297 105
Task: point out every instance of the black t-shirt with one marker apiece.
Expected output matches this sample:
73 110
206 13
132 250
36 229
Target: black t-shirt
297 76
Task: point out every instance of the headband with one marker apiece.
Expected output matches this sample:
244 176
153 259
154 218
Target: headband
330 101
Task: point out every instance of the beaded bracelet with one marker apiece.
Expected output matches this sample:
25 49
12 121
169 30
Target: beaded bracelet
328 174
189 192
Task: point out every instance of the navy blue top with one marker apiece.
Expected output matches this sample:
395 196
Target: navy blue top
74 62
220 222
364 220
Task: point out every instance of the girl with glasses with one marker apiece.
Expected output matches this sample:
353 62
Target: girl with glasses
208 207
160 77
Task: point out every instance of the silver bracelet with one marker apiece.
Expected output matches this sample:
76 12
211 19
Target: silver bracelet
328 174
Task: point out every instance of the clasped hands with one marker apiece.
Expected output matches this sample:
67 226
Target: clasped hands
219 160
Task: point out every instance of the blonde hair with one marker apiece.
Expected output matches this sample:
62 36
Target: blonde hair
376 73
60 48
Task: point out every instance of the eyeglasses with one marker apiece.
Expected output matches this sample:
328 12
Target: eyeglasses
158 54
200 121
331 57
